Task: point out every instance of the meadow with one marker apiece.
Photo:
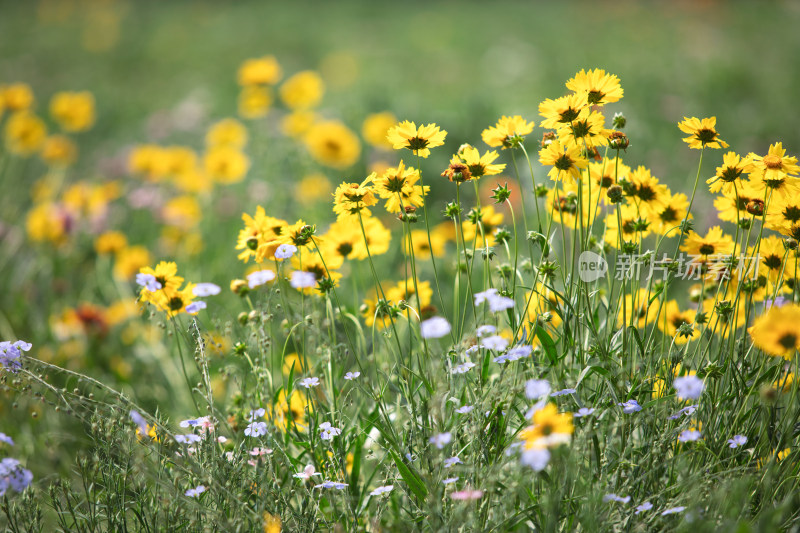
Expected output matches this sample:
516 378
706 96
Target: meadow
394 267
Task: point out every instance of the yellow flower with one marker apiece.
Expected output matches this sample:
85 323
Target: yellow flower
375 128
74 112
586 131
227 132
110 242
672 318
130 260
637 310
312 188
714 243
647 194
344 239
47 222
729 175
541 303
776 332
297 123
398 187
151 432
311 262
302 91
784 216
480 165
598 87
668 219
418 140
225 164
489 220
628 230
550 428
606 173
272 523
292 360
289 413
59 151
150 160
565 160
422 249
350 199
333 144
771 254
16 97
507 131
563 202
260 71
24 133
182 212
404 290
254 101
258 238
701 132
562 110
775 166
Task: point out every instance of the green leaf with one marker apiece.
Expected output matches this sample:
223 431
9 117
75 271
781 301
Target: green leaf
548 345
411 478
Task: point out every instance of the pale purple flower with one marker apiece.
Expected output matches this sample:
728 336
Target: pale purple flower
452 461
463 368
481 297
450 480
256 429
382 490
631 406
327 431
195 307
351 375
139 421
307 472
583 411
495 343
500 303
191 438
331 485
563 392
614 498
686 411
646 506
688 387
537 388
14 476
434 328
472 349
202 290
440 440
254 414
195 492
518 352
485 330
309 382
256 279
303 280
673 510
737 440
285 251
5 438
11 354
464 409
690 435
536 458
466 494
148 281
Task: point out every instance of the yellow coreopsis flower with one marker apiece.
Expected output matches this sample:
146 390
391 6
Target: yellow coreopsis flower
646 193
333 144
672 319
375 128
312 188
729 175
130 260
47 222
352 199
150 160
74 112
259 236
637 310
24 133
404 291
776 332
397 185
562 110
667 219
303 90
225 164
260 71
775 166
507 132
550 428
420 140
489 221
586 131
110 242
227 132
480 165
714 243
16 97
182 212
631 229
701 132
166 274
297 123
565 160
254 101
59 151
422 248
598 87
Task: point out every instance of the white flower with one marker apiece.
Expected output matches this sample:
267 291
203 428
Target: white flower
331 485
672 510
195 492
256 279
464 409
351 375
195 307
285 251
255 413
452 461
434 328
631 406
206 289
495 342
307 472
188 439
450 480
303 280
463 368
537 388
690 435
614 498
688 387
646 506
382 490
256 429
485 330
441 439
327 431
737 440
309 382
583 411
536 458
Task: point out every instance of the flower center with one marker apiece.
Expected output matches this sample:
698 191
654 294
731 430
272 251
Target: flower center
706 135
594 97
563 163
773 161
415 143
788 340
706 249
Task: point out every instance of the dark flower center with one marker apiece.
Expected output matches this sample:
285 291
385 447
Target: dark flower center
563 162
706 135
594 97
415 143
706 249
788 340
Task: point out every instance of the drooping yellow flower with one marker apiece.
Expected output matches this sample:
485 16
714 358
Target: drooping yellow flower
776 332
59 151
333 144
227 132
254 101
419 140
225 164
352 199
714 243
598 87
550 428
303 90
701 132
260 71
507 132
567 161
561 111
74 112
24 133
375 128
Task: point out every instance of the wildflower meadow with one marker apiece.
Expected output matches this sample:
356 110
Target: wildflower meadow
336 308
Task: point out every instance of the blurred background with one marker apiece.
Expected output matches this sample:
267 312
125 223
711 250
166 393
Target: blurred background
163 72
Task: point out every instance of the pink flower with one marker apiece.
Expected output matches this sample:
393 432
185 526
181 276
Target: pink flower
467 494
